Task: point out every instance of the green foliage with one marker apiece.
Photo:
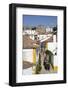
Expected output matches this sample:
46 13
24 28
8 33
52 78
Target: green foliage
39 59
38 66
33 28
48 52
38 69
55 30
50 57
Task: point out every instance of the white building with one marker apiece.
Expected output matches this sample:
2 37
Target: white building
30 32
49 29
52 46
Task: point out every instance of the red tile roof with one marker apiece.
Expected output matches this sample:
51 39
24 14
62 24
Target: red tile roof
28 43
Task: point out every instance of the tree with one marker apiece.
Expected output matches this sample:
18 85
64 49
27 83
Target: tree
33 28
55 30
38 66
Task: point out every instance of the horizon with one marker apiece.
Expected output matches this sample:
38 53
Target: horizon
36 20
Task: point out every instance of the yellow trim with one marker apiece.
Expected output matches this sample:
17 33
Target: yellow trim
55 68
34 56
46 45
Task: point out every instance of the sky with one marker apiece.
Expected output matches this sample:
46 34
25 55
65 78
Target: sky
34 20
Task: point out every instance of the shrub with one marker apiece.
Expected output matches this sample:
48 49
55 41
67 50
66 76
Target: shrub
38 66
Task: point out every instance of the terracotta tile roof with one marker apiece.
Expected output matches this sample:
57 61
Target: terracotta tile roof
40 31
29 43
27 64
48 40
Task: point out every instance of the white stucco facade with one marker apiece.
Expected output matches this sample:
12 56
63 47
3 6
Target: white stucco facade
27 55
49 29
52 46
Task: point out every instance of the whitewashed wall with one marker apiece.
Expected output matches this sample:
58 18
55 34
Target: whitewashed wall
27 55
52 46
